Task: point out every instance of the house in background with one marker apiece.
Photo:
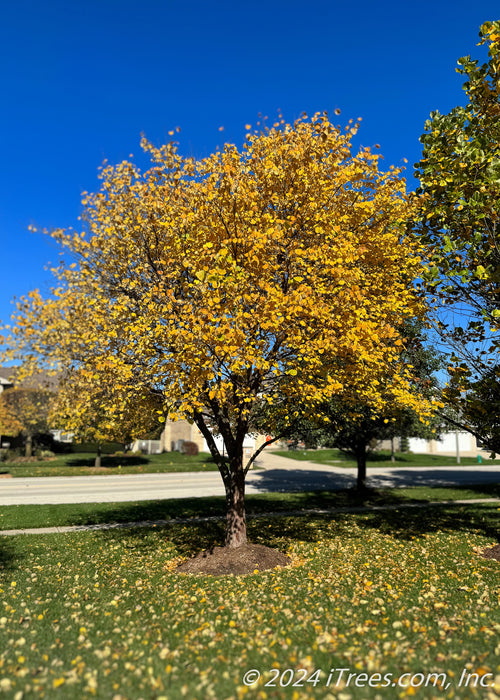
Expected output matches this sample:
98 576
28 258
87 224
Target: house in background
177 432
449 444
171 439
251 443
41 380
5 378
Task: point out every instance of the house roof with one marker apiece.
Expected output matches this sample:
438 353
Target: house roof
6 374
37 381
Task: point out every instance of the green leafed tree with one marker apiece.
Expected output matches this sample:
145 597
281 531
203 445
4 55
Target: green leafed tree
359 432
355 427
459 177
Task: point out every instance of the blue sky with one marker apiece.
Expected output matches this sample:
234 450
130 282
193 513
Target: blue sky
81 80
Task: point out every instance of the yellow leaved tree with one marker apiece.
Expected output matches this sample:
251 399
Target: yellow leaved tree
10 426
279 268
95 410
29 409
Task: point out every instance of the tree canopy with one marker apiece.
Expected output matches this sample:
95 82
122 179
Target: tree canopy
351 424
226 281
9 424
28 409
460 182
82 403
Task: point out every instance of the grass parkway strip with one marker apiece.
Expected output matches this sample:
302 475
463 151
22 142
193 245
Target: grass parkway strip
14 517
82 463
270 514
389 595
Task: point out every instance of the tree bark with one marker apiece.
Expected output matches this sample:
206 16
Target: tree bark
361 460
233 475
236 526
29 446
97 461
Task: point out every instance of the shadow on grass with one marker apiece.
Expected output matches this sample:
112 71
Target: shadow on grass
87 514
107 461
256 504
132 460
279 532
190 539
405 525
9 555
296 480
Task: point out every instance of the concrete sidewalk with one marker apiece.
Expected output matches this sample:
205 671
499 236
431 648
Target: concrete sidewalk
211 518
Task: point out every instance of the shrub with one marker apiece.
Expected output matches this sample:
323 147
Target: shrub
44 441
189 448
107 448
12 454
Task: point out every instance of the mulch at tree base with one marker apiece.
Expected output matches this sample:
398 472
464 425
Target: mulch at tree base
492 552
220 561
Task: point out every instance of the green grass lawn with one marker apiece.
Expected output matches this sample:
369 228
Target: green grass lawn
30 516
81 464
380 459
103 615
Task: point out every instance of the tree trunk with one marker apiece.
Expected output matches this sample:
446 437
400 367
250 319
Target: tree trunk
97 462
236 526
361 460
29 446
233 475
393 457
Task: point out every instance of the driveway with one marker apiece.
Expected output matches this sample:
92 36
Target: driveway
277 474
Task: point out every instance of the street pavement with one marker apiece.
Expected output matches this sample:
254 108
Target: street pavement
275 474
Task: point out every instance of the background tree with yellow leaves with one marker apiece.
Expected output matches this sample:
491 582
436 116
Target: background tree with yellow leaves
28 408
9 425
223 282
95 411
